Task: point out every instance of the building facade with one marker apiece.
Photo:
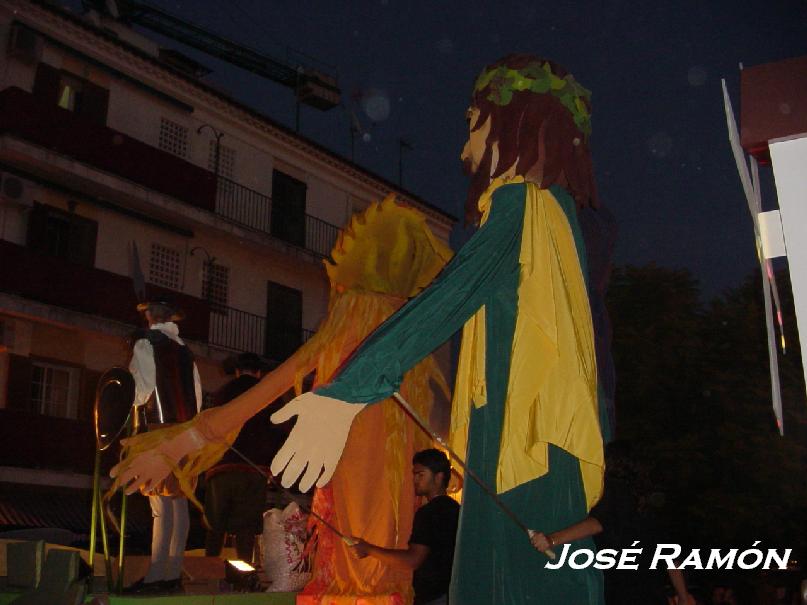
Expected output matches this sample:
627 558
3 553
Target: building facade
116 158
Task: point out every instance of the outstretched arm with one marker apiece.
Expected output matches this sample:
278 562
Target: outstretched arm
152 457
583 529
410 557
375 371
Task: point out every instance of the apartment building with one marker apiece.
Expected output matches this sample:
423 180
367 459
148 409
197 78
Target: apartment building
110 144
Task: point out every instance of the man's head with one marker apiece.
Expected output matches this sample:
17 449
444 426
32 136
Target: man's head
529 117
247 363
431 472
159 311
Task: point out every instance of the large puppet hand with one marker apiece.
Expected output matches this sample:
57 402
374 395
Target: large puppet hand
147 466
316 441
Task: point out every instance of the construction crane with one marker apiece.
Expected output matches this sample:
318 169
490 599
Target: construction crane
312 86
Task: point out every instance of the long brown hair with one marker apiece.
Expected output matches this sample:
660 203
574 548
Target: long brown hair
536 134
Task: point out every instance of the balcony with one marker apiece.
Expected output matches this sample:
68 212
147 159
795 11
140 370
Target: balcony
253 210
238 330
30 118
57 282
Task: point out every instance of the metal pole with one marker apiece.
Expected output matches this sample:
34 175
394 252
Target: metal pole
97 518
105 544
269 477
402 144
121 542
217 152
216 160
352 143
466 469
96 495
133 426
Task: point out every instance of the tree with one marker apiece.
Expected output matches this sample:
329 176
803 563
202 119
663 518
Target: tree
693 395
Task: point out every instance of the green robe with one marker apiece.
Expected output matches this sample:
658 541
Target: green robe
494 561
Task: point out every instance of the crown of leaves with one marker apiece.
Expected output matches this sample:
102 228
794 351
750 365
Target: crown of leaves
503 81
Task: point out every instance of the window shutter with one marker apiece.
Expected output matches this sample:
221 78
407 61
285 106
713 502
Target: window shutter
83 239
284 321
288 208
19 383
46 83
37 237
94 102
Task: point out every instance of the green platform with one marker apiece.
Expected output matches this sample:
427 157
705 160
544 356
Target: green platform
253 598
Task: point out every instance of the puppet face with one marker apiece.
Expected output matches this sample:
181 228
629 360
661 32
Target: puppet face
476 144
540 119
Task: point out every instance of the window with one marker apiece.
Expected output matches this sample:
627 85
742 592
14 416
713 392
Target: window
24 44
70 93
62 234
173 138
54 389
215 283
164 266
288 208
284 321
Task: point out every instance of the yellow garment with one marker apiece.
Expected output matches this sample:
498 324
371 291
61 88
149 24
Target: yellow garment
371 493
552 386
386 255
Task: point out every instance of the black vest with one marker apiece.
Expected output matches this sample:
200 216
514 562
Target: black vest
174 399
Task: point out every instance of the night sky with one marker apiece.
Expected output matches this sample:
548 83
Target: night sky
406 69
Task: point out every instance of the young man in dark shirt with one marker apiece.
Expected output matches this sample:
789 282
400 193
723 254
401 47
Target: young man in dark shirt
235 496
431 547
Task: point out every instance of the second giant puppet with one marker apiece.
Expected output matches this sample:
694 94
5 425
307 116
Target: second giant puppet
386 255
525 409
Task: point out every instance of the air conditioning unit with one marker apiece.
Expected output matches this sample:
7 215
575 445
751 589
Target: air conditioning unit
14 191
24 44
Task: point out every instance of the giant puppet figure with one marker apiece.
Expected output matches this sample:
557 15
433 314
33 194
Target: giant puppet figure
525 407
525 410
385 256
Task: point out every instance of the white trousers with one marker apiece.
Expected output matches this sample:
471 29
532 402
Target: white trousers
170 527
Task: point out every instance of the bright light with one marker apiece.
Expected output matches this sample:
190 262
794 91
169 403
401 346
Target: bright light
241 565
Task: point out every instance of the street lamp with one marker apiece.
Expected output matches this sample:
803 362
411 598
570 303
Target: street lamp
402 144
218 134
210 262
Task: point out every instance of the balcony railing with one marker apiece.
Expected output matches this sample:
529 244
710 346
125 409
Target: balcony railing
243 206
252 209
33 119
38 121
320 236
237 330
55 281
242 331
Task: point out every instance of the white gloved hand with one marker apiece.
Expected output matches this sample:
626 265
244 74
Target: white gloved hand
316 441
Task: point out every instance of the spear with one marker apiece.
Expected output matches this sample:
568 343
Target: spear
269 477
466 469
